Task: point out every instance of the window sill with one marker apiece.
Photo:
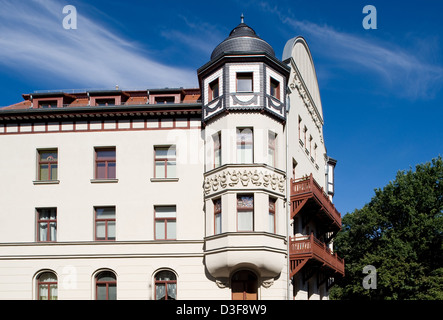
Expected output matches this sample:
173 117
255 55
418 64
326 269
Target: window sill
46 182
104 180
164 179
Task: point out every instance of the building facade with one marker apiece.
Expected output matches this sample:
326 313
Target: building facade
218 192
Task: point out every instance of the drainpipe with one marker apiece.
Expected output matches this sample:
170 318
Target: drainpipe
287 203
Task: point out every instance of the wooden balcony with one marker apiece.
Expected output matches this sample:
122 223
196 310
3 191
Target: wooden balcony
308 248
308 196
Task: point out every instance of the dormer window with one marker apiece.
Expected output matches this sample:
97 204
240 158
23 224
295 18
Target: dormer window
165 100
214 90
275 88
244 82
104 102
47 104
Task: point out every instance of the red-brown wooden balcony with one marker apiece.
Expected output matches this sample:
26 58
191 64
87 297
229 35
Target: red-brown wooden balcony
309 197
309 249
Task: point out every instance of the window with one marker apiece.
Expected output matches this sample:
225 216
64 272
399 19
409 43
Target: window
245 213
165 100
165 286
165 162
46 224
305 130
217 216
275 88
217 149
165 222
104 223
299 128
106 286
272 202
47 164
105 163
244 82
214 90
47 286
245 145
105 102
47 104
272 137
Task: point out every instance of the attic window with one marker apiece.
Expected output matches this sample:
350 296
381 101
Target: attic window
47 104
104 102
244 82
213 90
164 100
275 88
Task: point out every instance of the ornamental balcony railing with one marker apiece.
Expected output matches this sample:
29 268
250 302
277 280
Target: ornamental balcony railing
302 249
307 189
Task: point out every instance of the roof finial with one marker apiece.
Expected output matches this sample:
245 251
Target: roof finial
242 17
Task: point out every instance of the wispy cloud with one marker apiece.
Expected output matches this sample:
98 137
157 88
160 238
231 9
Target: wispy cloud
405 71
32 38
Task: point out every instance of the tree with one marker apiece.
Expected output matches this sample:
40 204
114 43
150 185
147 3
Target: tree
400 233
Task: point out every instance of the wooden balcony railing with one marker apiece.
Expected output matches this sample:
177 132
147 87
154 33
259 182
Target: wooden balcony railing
304 248
305 188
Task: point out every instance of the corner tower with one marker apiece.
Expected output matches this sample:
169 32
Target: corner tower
244 115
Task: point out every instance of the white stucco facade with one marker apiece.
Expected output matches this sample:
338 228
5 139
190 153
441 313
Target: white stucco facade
231 222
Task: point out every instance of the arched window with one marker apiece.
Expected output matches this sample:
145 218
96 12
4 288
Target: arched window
165 285
47 286
106 286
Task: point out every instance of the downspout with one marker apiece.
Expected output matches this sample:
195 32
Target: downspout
287 204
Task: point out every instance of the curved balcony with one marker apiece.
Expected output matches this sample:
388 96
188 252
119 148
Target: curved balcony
261 251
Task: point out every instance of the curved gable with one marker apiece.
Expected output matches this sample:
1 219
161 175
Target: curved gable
297 49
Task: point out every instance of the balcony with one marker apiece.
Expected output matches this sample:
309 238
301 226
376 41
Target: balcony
307 196
308 249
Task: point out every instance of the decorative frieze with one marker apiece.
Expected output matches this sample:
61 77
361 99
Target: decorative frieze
244 177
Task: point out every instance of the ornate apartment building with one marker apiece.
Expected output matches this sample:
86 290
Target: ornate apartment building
218 192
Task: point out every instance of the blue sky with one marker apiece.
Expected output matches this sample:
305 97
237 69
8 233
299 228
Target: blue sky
381 90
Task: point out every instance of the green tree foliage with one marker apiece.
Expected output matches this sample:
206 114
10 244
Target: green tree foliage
400 233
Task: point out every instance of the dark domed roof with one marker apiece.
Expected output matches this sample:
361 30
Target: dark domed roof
243 38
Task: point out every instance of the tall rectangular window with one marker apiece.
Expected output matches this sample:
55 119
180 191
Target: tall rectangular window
272 202
105 163
244 82
245 213
47 164
214 90
245 145
217 149
165 162
217 216
272 139
46 224
104 223
165 222
275 88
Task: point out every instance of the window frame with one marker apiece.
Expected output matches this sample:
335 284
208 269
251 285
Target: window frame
106 283
48 223
47 162
272 148
242 76
245 209
211 89
274 85
217 211
46 283
165 161
165 283
217 142
106 220
165 220
240 143
106 161
273 212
